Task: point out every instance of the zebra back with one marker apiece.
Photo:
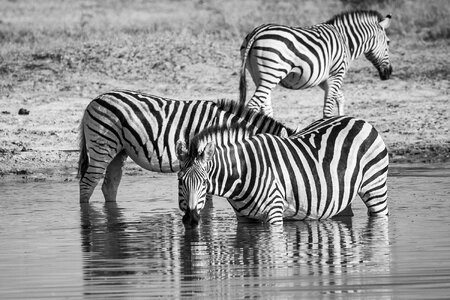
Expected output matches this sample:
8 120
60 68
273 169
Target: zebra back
251 123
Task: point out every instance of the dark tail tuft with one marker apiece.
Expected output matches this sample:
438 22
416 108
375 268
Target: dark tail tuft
83 161
242 85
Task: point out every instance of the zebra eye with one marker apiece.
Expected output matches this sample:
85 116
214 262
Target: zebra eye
183 206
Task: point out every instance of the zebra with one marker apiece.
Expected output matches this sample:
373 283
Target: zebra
314 174
123 123
304 57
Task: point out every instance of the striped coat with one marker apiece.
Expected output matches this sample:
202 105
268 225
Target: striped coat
121 124
304 57
314 174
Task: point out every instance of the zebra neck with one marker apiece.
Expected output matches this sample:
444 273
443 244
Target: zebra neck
356 44
224 174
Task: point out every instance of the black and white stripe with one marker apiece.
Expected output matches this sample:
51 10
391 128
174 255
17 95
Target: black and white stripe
304 57
122 124
314 174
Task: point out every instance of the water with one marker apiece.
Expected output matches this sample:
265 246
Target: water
50 247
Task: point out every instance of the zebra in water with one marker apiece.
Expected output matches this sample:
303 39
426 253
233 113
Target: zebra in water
121 124
300 58
314 174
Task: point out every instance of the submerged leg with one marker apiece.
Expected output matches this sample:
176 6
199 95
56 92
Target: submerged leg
347 212
274 215
113 176
98 161
244 219
209 201
374 196
89 181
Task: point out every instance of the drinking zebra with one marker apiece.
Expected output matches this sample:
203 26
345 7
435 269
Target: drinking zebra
123 123
314 174
303 57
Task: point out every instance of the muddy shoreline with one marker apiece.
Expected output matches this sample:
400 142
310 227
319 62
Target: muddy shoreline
61 165
52 71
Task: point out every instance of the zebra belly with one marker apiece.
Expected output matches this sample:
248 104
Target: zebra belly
298 79
291 214
153 163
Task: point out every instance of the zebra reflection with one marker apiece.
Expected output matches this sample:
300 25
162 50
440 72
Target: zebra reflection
316 255
127 252
123 254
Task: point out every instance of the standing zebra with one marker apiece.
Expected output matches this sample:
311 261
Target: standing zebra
300 58
119 124
314 174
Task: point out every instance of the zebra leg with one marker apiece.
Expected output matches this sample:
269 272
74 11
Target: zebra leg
347 212
100 155
209 200
245 219
267 109
274 215
263 105
340 103
90 180
328 103
265 83
113 176
332 96
374 196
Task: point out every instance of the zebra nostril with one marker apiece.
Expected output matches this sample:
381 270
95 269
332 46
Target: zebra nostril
385 73
191 218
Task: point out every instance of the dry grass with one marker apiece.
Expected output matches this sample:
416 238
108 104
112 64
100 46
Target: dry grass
56 55
50 42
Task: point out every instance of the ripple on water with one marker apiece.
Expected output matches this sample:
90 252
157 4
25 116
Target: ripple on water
138 246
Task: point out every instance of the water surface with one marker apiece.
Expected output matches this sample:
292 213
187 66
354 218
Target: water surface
53 248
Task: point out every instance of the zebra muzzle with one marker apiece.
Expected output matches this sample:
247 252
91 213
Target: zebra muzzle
191 218
385 73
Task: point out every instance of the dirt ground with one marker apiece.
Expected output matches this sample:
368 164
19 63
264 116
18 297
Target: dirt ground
55 84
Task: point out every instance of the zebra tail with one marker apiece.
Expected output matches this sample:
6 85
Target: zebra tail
83 161
242 80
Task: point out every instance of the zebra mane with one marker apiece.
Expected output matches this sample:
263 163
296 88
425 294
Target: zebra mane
250 117
220 135
345 15
235 108
250 123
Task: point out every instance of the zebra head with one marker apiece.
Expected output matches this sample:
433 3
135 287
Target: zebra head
193 181
378 49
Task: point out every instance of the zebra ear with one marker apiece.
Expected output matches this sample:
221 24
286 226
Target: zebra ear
182 151
208 153
386 22
284 133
